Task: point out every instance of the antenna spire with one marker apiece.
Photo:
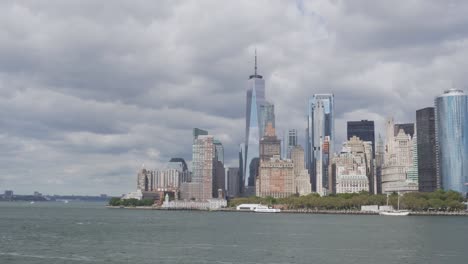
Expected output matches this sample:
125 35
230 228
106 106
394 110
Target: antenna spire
255 61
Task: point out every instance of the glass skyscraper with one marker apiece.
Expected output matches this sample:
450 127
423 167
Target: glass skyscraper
426 140
320 137
451 117
255 99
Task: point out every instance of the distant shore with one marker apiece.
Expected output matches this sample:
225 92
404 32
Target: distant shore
303 211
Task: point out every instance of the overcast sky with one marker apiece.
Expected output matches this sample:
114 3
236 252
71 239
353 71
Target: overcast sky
91 90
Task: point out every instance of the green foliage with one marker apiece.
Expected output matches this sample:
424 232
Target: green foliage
130 202
438 200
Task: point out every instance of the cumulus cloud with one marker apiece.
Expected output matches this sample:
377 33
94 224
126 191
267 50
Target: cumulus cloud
90 91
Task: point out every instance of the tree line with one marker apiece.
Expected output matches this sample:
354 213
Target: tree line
416 201
130 202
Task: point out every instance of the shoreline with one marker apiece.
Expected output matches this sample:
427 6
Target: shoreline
295 211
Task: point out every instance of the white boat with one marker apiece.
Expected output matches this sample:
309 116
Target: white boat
266 209
65 201
395 212
258 208
32 202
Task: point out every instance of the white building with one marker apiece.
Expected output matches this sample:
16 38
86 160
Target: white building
398 162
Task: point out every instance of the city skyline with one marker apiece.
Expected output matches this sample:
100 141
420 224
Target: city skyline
82 110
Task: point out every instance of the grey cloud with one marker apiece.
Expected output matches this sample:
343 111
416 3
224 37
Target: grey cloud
90 91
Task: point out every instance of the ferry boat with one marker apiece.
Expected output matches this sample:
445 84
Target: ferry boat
266 209
258 208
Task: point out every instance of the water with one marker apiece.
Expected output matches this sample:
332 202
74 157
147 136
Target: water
90 233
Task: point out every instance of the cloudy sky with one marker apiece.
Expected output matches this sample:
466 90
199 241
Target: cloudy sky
91 90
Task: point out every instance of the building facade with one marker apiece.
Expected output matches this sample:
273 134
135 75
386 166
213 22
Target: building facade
270 145
353 167
233 182
276 178
451 118
426 146
255 99
301 174
398 162
320 135
364 130
203 154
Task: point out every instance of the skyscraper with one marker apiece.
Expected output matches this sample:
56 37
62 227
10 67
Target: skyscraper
364 130
398 162
426 140
320 137
232 182
291 142
258 111
451 118
301 175
203 166
267 115
270 145
219 150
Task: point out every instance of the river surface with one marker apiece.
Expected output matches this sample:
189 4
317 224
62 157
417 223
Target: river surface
52 232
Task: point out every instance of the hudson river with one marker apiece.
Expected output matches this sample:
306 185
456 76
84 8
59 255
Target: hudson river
89 233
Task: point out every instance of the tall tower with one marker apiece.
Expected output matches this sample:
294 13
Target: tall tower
253 124
427 166
320 139
451 117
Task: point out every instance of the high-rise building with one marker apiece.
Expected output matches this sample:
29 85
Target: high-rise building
255 99
219 179
270 145
353 167
451 118
364 130
233 182
290 142
266 116
398 162
301 175
219 154
320 138
203 154
276 178
408 128
427 165
379 162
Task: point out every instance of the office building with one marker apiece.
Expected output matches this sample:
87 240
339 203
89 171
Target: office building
398 162
203 154
266 116
379 162
451 119
270 145
364 130
426 146
276 178
233 182
255 99
219 151
353 167
301 174
219 179
290 141
319 140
